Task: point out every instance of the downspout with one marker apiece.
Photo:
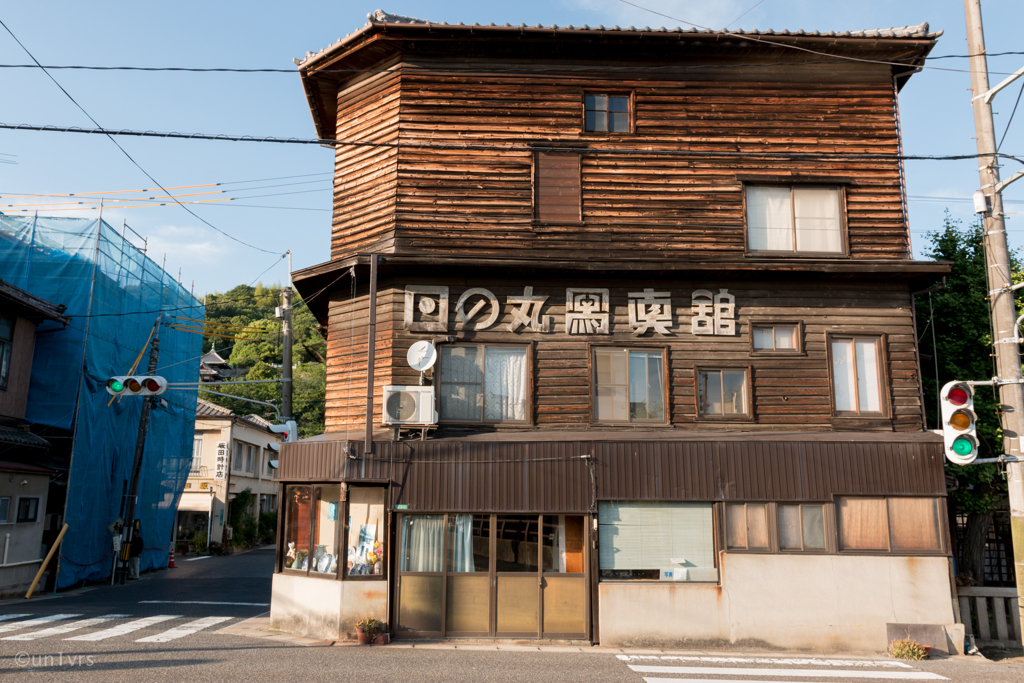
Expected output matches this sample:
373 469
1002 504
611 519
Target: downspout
371 348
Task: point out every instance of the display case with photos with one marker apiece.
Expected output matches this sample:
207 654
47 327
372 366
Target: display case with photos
367 533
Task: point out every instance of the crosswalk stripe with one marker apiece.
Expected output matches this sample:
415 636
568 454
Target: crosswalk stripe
127 627
66 628
18 625
8 617
799 673
791 661
184 630
651 679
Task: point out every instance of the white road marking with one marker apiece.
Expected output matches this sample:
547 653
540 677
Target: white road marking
201 557
8 617
127 627
66 628
815 661
186 629
201 602
7 628
824 673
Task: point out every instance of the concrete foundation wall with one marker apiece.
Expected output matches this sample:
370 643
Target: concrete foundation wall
321 608
809 602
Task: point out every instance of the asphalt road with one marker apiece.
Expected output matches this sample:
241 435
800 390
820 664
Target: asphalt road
167 627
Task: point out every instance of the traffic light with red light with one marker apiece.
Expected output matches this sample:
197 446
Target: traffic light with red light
959 422
142 385
289 430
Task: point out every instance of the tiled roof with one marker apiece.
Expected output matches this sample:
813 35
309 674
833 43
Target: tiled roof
257 420
207 409
32 304
19 437
382 18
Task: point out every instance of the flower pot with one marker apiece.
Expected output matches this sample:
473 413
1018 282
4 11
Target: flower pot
362 636
382 639
927 651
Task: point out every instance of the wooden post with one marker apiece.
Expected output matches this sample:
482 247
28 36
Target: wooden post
49 556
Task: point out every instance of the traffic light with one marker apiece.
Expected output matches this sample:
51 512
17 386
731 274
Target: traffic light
959 422
142 385
289 430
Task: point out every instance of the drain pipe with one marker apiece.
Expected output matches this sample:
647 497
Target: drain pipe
371 348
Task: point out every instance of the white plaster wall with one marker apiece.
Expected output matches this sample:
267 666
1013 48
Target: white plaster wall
322 608
806 602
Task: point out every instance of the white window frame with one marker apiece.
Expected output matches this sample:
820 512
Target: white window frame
196 468
250 459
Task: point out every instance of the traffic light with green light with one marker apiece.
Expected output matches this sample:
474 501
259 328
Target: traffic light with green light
142 385
959 422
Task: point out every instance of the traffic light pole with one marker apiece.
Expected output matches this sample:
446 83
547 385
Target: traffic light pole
140 441
997 260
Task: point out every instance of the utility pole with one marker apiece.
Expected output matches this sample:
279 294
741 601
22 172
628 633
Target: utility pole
997 260
286 345
140 441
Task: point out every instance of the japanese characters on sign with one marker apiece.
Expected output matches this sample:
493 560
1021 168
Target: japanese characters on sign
220 471
587 311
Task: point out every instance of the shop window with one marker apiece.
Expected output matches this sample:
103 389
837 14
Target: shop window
298 503
801 527
6 343
857 375
366 533
775 337
327 519
5 509
28 509
605 113
422 543
629 385
722 393
656 540
889 524
795 220
746 526
484 383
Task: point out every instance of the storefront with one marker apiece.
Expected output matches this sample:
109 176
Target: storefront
737 539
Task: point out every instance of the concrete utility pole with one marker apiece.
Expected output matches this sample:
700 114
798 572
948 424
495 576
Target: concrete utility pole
286 346
997 258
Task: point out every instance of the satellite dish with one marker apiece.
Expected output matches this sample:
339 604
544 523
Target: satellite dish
422 356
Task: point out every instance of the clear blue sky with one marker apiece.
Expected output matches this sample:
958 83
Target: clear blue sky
935 108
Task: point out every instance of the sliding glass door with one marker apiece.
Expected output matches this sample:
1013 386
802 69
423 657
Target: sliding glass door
501 576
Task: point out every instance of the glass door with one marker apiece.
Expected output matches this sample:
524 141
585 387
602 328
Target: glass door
517 576
468 581
564 581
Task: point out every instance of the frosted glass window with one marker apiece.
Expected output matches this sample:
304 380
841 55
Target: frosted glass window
483 383
638 540
794 219
746 526
775 337
629 385
801 527
722 393
856 375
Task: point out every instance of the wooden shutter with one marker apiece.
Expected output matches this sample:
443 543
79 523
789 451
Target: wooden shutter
556 187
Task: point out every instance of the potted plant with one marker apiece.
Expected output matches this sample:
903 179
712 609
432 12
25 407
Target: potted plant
906 648
366 629
382 637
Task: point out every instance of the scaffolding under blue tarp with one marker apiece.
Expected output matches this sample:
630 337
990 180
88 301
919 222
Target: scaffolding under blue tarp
113 293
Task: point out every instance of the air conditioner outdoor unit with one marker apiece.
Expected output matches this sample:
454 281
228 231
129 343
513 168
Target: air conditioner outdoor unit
409 406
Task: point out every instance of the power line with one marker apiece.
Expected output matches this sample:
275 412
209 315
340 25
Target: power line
123 150
821 156
107 193
1003 139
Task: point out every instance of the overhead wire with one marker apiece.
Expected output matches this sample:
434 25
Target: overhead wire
123 150
1007 130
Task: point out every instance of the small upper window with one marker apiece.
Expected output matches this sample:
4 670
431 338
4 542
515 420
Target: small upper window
607 113
629 386
794 219
722 393
776 337
857 375
6 341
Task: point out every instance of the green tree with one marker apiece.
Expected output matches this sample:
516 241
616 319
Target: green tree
962 348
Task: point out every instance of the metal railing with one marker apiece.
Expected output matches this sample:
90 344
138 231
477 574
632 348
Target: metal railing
990 611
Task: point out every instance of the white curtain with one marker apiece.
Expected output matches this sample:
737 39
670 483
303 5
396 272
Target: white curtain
462 544
422 539
842 374
867 376
817 220
505 384
769 219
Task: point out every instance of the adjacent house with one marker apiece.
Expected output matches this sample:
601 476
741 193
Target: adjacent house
230 453
24 476
665 277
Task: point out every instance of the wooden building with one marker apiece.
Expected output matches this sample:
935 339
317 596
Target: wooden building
668 277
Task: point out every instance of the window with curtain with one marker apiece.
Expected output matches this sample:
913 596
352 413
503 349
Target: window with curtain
897 524
197 457
6 343
722 393
857 375
237 464
629 385
643 539
469 543
484 383
794 219
250 461
422 543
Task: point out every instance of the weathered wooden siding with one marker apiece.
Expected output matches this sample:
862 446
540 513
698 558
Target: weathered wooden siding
789 393
365 176
648 203
14 398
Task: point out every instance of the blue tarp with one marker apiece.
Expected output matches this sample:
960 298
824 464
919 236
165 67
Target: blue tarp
113 293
